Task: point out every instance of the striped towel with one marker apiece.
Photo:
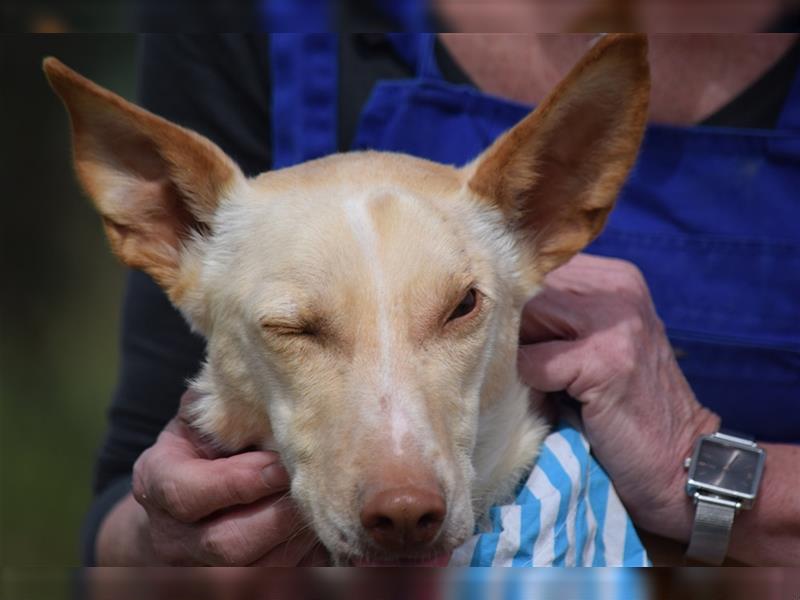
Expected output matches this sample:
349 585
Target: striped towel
566 513
524 584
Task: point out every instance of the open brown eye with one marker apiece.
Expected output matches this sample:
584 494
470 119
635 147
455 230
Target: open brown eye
466 306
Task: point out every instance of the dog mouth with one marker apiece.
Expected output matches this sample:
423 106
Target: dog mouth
433 560
361 553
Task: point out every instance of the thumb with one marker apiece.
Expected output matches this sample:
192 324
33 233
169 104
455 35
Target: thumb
549 366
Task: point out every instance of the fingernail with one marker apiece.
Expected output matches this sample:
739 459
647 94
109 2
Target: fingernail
275 476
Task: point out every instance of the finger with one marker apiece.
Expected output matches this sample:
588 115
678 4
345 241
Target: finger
303 548
536 325
578 266
551 315
181 435
193 488
182 424
242 535
550 366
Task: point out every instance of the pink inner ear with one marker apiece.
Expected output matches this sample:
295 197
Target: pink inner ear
118 141
157 213
562 172
152 181
145 213
583 126
557 173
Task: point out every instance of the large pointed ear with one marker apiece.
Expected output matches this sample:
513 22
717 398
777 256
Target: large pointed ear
556 174
155 184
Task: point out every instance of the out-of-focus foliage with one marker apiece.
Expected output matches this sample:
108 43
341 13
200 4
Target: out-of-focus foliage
61 292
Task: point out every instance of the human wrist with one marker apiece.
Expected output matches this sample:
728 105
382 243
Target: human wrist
670 511
769 533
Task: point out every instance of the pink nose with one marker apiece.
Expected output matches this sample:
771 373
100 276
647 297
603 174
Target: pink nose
403 519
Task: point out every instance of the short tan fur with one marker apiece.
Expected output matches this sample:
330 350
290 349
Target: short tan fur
326 291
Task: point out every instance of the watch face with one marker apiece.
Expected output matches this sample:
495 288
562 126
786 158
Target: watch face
727 467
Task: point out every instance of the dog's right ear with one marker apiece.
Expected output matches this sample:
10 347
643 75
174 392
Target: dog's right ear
555 175
155 184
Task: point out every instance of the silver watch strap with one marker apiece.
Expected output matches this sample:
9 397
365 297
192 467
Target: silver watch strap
711 533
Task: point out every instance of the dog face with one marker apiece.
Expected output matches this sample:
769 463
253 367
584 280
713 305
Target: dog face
362 310
367 335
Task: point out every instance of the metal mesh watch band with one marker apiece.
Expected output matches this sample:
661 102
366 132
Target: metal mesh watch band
732 465
711 533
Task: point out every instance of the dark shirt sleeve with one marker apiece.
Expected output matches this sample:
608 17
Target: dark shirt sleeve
218 86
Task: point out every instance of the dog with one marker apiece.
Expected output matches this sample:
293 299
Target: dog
362 310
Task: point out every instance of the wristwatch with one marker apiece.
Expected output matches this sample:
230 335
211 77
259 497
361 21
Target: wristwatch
724 474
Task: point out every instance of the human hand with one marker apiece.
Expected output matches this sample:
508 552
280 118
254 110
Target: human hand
202 509
593 331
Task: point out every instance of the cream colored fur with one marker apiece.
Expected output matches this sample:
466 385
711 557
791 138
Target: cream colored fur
324 290
468 416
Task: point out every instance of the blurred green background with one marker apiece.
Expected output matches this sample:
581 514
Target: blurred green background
60 302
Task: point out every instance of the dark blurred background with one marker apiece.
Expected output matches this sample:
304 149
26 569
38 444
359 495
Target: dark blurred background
60 299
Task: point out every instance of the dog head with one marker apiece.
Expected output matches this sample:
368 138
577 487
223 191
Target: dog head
362 310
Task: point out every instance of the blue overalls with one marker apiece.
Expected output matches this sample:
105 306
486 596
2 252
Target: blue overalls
710 215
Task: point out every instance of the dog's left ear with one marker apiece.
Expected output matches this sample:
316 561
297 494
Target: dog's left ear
156 185
556 174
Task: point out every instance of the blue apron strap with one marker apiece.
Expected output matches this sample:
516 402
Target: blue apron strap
428 69
304 74
418 51
790 115
300 16
407 15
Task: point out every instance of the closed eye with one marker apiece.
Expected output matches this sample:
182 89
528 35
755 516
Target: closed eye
291 329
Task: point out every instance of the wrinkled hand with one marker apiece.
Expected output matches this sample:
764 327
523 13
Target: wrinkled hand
593 331
218 511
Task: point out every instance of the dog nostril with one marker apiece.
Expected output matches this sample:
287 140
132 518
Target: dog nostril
429 520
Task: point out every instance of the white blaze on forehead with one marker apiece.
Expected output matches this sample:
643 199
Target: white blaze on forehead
405 411
367 238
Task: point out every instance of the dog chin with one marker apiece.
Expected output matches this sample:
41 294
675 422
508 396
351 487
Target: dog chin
436 555
440 560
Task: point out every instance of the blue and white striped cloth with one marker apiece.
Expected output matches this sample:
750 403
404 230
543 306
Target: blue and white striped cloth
564 584
566 513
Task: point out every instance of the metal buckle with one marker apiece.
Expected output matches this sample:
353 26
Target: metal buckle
730 436
734 504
